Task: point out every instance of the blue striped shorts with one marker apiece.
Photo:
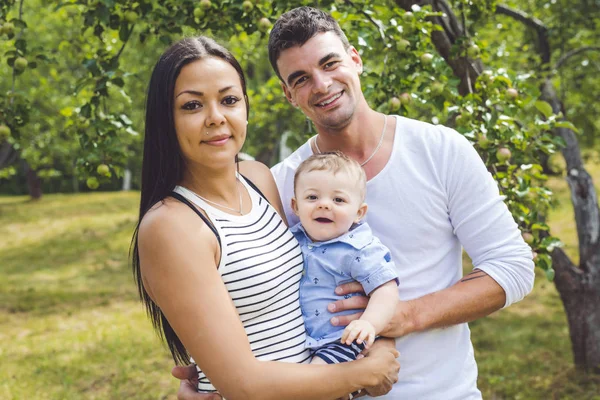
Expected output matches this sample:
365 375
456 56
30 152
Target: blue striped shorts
337 352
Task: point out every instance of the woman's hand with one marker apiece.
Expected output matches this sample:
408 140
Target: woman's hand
189 381
384 345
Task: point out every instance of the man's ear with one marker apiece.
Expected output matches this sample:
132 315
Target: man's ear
362 211
356 59
295 206
288 94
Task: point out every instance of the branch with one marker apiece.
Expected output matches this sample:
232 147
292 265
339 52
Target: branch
14 74
531 22
379 29
572 53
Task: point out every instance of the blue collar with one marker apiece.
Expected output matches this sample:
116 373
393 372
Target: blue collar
358 236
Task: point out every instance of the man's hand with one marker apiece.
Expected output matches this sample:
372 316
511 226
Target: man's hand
189 382
352 303
360 330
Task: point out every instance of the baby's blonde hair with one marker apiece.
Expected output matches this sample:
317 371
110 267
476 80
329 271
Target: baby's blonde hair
334 162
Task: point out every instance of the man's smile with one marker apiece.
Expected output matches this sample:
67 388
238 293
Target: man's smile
329 100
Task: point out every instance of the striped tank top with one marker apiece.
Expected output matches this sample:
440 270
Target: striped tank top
261 266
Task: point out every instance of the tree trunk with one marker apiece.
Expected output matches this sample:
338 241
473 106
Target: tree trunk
34 184
580 294
579 287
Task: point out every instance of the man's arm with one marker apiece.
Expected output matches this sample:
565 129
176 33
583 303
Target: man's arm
503 266
473 297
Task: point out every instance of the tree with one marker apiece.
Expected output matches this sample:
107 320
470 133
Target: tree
579 286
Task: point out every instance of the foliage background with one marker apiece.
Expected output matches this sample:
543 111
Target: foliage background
80 103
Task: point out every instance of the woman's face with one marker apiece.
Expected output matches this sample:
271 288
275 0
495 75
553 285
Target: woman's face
210 112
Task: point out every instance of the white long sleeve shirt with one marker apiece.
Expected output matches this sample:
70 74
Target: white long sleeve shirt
433 197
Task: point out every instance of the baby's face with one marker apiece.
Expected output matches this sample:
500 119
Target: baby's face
327 204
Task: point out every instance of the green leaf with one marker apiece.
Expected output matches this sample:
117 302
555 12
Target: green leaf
566 124
550 274
544 107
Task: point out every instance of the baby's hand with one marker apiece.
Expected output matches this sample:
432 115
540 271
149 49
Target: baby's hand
361 331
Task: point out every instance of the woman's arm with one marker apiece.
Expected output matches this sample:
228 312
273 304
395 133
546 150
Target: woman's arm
177 254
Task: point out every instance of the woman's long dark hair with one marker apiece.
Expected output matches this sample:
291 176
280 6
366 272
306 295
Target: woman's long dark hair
163 164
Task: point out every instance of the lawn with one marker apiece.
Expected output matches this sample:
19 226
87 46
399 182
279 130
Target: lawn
71 326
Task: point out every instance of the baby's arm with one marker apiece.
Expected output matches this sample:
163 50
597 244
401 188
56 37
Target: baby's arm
379 312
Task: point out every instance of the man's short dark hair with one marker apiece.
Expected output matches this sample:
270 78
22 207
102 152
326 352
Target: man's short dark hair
298 26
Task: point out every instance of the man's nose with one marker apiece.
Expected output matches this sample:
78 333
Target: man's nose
321 82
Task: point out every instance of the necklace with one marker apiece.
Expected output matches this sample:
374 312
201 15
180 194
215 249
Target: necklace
376 148
221 205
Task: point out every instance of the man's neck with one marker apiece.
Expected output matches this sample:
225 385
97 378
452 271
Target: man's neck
358 139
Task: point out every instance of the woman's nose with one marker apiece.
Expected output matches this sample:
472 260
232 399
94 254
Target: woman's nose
214 116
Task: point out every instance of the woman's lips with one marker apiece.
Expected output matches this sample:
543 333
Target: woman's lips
220 141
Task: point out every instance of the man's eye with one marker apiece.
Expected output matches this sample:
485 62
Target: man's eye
191 105
230 100
330 64
301 80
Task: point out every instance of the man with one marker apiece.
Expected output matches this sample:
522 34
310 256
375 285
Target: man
429 195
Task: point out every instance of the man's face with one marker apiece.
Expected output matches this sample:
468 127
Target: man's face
322 79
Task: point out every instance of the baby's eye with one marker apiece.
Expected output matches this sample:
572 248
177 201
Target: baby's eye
311 197
192 105
339 200
230 100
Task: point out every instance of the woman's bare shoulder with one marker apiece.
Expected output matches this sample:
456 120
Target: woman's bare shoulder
169 218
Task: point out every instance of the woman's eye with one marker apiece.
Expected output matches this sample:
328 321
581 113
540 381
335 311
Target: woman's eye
230 100
192 105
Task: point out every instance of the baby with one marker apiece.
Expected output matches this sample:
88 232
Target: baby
329 193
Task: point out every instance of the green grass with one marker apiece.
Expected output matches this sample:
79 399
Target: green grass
71 326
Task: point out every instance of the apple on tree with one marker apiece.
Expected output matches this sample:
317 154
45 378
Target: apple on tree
92 183
247 6
4 132
512 93
131 17
503 154
402 44
528 237
264 24
20 63
426 58
205 4
103 170
395 104
405 99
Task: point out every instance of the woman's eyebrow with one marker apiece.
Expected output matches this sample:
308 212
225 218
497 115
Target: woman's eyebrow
200 94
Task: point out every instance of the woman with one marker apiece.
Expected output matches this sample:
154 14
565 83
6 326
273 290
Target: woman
215 264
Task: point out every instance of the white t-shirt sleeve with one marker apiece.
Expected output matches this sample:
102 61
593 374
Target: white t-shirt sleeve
482 221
